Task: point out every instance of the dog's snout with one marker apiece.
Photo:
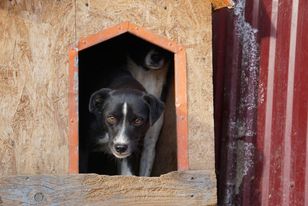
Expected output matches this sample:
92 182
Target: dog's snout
121 148
156 57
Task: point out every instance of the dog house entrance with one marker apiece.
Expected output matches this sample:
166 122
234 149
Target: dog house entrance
90 71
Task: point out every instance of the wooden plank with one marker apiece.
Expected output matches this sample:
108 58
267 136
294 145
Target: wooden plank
176 188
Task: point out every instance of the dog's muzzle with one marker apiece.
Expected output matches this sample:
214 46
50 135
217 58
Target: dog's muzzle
120 150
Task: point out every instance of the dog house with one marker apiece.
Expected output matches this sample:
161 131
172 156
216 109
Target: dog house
88 67
40 95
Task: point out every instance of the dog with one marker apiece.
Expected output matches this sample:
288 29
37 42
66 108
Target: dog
150 67
124 113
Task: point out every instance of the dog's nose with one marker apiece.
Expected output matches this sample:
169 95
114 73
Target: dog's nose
121 148
156 57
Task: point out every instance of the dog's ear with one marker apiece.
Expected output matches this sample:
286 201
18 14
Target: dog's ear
97 99
156 107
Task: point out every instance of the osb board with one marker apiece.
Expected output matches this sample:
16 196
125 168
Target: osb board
186 22
193 188
34 40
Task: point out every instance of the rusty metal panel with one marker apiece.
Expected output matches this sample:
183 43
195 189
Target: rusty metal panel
283 105
236 66
267 165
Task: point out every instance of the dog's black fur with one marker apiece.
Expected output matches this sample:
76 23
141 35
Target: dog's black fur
107 105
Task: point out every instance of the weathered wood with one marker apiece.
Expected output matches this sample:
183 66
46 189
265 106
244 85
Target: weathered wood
176 188
35 37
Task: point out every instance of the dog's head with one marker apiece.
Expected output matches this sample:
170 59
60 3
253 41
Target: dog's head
126 115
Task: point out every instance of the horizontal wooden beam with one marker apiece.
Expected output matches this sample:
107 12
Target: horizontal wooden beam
175 188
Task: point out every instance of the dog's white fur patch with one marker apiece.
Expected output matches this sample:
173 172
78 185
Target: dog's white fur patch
125 169
153 81
121 137
148 152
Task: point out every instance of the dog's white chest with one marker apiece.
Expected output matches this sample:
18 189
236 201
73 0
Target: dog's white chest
152 80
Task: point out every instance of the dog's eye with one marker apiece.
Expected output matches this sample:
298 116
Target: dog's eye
138 121
111 119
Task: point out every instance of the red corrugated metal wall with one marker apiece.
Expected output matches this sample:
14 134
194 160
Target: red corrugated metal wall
261 102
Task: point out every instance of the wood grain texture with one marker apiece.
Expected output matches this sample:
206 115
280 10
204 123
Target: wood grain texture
194 188
34 40
185 22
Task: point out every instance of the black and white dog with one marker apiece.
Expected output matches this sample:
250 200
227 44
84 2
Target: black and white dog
150 68
134 92
124 113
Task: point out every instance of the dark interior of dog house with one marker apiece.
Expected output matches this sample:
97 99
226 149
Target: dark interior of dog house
95 65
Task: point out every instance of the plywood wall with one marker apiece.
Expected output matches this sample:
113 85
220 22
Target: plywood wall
35 37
